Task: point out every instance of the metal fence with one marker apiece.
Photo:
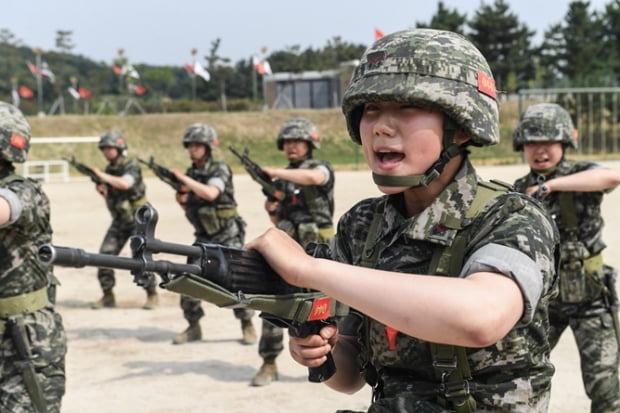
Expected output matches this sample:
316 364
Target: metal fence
593 110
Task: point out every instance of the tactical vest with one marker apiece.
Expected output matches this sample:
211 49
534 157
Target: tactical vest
450 362
308 209
208 217
581 273
12 310
136 194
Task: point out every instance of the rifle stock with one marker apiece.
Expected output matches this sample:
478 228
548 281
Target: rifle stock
239 272
164 174
257 174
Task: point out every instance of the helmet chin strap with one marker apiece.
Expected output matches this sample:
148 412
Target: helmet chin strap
415 181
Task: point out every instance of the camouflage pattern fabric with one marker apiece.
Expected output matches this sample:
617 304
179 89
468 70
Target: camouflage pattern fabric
515 373
544 122
299 128
201 133
302 221
14 134
122 206
209 227
414 67
21 272
307 204
589 316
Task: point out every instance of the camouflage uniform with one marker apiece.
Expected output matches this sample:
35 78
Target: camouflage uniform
122 206
306 213
515 373
214 222
20 274
588 300
509 234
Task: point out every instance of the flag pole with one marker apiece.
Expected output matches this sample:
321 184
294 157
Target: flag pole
37 52
254 81
193 75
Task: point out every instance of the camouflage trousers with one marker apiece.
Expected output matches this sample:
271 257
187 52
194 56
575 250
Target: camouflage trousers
593 327
48 344
192 310
271 341
113 242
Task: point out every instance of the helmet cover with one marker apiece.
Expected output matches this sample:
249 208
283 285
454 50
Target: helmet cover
429 68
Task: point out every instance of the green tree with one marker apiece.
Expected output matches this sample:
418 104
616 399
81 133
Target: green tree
505 42
63 41
611 37
9 38
575 48
445 19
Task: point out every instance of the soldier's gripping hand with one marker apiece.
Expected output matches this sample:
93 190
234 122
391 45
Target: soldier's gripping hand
181 198
312 350
102 189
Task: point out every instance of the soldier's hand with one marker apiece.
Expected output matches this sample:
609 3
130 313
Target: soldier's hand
102 189
311 351
181 198
285 255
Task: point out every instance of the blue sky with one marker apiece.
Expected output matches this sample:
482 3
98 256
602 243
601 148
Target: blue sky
162 32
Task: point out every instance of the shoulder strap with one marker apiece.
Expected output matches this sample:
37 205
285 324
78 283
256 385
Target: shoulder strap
450 362
11 178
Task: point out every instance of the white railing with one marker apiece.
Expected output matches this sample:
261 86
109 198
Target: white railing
46 171
52 169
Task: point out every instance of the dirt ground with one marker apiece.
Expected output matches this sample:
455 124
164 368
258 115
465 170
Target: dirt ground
122 360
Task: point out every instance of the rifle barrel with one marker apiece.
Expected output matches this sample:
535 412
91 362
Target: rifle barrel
78 258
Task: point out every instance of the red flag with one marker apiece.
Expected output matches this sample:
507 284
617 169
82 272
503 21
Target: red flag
189 68
117 70
26 92
378 34
84 93
139 90
33 69
262 67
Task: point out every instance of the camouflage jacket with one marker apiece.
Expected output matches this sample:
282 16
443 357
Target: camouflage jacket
587 205
122 204
217 220
514 237
308 203
20 270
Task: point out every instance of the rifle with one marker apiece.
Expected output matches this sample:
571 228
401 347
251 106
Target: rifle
222 275
85 169
257 174
164 174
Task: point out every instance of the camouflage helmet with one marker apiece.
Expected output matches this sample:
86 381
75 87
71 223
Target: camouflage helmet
113 139
544 122
299 128
201 133
429 68
14 134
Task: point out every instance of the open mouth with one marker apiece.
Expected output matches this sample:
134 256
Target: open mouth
389 158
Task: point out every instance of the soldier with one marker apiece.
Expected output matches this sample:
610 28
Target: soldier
448 277
306 214
210 207
572 193
124 191
33 342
